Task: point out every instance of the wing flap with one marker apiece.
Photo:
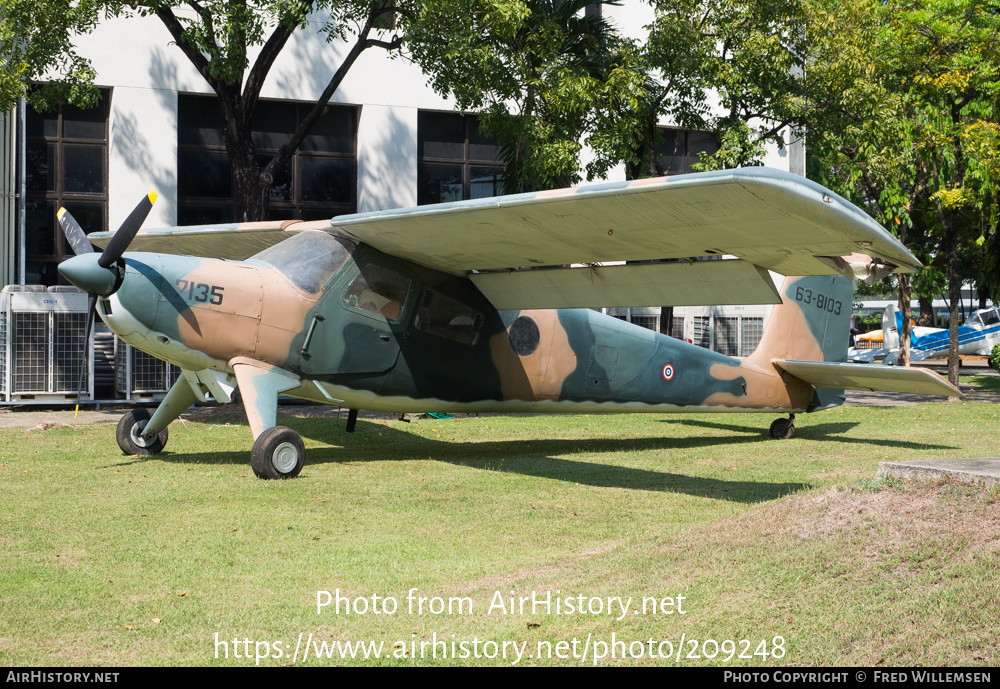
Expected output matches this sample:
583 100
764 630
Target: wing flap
687 283
836 375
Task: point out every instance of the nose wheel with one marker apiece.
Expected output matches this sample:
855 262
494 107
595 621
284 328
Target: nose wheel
130 437
783 429
277 453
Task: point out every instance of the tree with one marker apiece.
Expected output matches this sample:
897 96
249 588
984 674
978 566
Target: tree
898 92
232 43
728 66
537 77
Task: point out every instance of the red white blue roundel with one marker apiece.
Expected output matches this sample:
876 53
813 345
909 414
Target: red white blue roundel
668 372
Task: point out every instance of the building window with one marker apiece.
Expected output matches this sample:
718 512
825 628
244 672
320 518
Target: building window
678 150
319 182
455 161
66 166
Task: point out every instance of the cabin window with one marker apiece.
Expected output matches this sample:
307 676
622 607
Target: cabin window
380 291
309 259
446 317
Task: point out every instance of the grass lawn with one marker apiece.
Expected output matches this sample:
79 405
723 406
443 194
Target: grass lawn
115 560
982 382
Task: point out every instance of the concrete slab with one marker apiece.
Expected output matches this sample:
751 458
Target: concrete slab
985 470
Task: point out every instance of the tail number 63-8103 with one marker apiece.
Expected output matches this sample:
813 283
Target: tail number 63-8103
821 301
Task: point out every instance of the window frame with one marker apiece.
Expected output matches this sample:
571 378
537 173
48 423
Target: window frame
278 209
465 162
58 197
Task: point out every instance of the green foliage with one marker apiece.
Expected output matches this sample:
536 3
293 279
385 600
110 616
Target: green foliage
537 70
35 38
995 357
746 55
899 108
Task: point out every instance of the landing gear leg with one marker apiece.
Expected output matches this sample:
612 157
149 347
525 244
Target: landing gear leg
783 429
352 420
277 451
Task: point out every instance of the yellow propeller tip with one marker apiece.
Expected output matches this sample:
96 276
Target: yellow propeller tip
61 213
152 196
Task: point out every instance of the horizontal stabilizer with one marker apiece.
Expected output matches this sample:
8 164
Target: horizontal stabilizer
836 375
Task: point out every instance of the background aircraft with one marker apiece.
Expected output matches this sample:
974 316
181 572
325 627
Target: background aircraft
978 336
475 306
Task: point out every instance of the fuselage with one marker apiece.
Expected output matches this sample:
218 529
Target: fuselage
979 334
366 330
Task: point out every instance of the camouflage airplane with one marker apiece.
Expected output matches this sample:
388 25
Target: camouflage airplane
450 307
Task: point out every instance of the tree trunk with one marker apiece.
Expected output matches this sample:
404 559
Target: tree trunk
251 191
905 293
927 316
954 295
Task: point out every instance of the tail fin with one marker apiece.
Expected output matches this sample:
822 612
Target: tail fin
813 322
807 337
890 328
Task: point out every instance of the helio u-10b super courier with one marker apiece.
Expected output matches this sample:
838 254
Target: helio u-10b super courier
480 306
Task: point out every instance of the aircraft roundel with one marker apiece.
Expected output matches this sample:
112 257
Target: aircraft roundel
668 372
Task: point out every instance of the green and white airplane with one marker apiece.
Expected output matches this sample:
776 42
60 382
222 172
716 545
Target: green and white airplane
480 306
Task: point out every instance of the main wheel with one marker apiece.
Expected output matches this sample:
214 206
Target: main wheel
129 434
278 452
782 429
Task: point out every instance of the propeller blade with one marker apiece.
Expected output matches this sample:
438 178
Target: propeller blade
75 235
123 237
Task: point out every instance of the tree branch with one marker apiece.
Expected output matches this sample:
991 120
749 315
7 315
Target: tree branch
284 153
192 53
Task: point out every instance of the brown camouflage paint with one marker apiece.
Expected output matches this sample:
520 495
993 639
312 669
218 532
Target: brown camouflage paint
541 374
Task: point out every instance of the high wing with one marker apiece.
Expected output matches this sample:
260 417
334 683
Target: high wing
519 249
235 241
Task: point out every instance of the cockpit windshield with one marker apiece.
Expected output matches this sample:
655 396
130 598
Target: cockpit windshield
309 259
984 318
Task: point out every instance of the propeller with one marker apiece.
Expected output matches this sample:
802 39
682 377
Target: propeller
98 276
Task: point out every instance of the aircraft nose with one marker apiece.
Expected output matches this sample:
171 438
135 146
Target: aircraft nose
84 272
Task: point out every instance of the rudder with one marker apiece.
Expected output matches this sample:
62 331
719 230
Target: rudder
812 323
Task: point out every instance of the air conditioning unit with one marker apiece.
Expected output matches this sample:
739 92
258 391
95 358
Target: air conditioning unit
141 376
43 341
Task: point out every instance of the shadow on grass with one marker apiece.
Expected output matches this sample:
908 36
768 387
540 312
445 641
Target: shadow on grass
819 431
530 457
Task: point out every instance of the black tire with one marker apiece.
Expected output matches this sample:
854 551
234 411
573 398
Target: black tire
782 429
128 434
278 453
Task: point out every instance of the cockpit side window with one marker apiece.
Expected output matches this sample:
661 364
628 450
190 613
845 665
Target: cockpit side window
380 291
446 317
309 259
990 317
